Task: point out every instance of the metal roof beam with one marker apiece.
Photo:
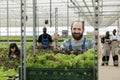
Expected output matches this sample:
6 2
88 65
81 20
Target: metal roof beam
100 6
113 20
88 8
110 15
81 10
101 12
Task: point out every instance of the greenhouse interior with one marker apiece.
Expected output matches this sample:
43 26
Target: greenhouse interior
59 39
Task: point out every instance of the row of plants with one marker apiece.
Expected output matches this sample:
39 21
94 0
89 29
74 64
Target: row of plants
51 65
49 59
44 59
9 66
31 37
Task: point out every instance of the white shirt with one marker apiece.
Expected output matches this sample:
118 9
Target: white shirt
115 37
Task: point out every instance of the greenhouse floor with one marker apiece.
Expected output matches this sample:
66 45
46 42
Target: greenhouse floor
109 72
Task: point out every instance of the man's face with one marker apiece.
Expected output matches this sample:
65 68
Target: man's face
44 30
114 32
107 33
77 30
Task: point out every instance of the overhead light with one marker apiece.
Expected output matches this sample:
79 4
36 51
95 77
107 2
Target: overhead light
96 15
71 0
96 7
96 0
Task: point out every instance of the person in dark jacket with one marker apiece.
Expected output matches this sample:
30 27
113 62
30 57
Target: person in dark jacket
14 51
45 40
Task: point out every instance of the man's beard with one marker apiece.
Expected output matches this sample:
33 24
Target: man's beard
44 32
77 37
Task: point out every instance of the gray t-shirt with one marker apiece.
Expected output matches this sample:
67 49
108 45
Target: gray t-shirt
85 42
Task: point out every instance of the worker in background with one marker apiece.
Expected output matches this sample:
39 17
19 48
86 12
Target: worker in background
14 51
78 42
114 45
105 40
45 40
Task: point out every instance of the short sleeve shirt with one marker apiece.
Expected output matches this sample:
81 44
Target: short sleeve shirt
44 36
78 45
114 37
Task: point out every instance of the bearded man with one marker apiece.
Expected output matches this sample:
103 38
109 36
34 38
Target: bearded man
78 41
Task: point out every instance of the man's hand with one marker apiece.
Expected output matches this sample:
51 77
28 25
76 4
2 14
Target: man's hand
55 36
43 46
39 47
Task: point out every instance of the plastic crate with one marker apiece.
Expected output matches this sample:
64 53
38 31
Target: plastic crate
60 74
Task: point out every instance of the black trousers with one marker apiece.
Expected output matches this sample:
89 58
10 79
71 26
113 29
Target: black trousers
115 58
105 58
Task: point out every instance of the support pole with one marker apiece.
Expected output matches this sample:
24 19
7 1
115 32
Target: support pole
34 27
79 16
7 21
56 26
0 25
68 16
96 30
50 13
118 26
23 40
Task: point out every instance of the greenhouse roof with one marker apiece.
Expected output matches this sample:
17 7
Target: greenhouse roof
109 11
